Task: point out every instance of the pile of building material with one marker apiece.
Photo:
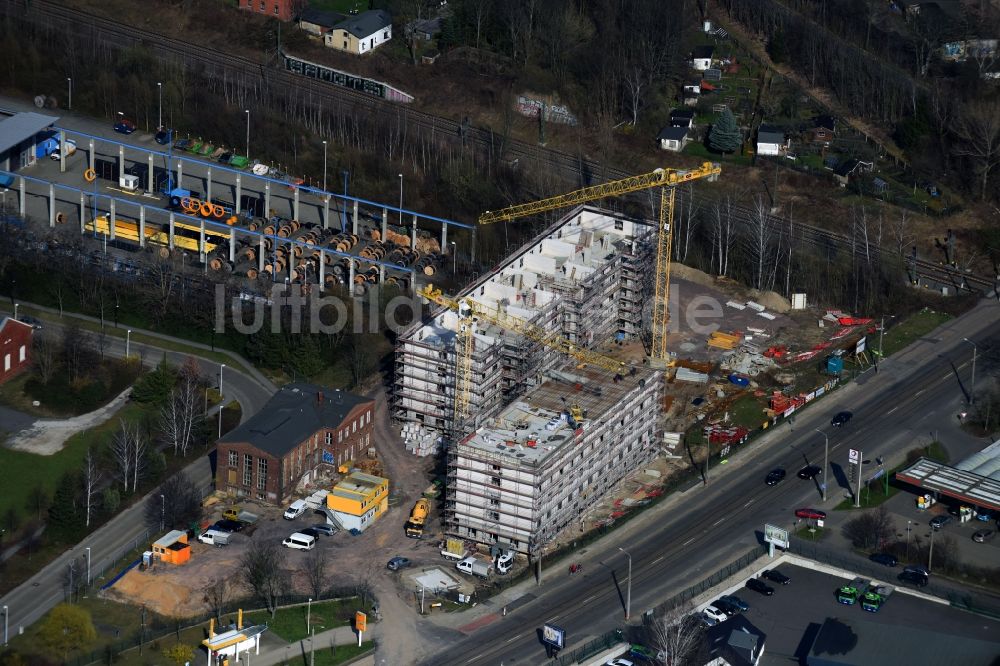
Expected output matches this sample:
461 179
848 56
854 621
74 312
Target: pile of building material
685 375
420 442
746 360
722 340
720 434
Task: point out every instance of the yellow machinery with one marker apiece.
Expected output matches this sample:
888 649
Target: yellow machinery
668 179
469 310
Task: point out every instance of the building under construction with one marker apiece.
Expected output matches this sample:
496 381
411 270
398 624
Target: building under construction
542 437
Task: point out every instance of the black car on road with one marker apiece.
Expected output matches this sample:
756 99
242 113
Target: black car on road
775 476
226 525
914 577
760 586
810 472
840 418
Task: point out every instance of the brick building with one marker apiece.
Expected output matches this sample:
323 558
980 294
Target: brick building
283 10
15 347
301 427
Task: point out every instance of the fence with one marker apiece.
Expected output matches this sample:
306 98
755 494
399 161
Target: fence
595 646
156 627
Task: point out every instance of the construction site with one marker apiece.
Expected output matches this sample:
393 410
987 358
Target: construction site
563 387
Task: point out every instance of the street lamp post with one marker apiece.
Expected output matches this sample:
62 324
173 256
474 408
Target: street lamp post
69 101
16 306
324 167
454 257
308 612
163 510
628 592
972 391
908 527
247 111
159 116
88 566
826 455
6 613
128 340
930 553
221 406
400 199
116 315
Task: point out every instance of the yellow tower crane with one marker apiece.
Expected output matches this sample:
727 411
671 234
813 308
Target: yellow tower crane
469 310
668 179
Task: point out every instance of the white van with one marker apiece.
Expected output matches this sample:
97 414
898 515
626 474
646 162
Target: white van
214 538
297 508
299 541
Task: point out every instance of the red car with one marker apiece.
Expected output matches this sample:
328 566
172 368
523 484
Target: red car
813 514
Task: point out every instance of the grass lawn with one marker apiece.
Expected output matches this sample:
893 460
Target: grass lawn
871 496
700 150
746 411
341 654
23 471
290 623
811 533
911 329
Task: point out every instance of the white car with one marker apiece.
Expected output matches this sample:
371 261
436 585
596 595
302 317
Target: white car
618 662
715 614
70 149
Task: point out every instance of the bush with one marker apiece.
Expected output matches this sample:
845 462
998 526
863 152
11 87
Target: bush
871 530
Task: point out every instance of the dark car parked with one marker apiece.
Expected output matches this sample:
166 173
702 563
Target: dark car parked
810 472
884 559
914 577
726 607
840 418
735 601
937 522
760 586
776 576
324 529
225 525
775 476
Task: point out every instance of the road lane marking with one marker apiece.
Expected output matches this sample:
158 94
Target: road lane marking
892 410
590 598
688 541
748 504
717 522
919 392
658 559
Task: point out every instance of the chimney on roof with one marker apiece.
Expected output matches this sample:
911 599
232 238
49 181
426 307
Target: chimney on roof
319 397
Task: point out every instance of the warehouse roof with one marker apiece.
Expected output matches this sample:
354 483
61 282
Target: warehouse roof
292 415
22 126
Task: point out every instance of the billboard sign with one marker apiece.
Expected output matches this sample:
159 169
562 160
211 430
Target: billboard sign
554 636
360 621
861 345
854 456
776 535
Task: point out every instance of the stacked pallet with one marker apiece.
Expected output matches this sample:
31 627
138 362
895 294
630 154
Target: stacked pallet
420 442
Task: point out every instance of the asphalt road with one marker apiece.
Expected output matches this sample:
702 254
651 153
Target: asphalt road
29 602
697 532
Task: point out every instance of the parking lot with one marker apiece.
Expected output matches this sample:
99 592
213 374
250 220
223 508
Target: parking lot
793 615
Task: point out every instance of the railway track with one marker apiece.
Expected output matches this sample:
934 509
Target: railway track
573 167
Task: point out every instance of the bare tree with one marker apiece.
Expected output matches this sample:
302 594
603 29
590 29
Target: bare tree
261 570
76 351
676 634
316 572
978 132
217 595
45 356
722 233
871 529
121 452
140 446
758 242
92 476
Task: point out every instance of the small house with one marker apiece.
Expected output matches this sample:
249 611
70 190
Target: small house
362 33
693 87
172 548
771 141
15 347
673 138
842 172
734 642
317 22
701 57
425 29
682 118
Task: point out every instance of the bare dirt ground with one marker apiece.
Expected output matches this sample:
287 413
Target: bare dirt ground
48 436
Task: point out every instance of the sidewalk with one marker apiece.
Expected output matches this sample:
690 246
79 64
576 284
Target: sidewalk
298 652
239 363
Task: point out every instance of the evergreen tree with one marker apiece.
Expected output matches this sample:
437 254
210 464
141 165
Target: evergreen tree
154 388
66 521
725 135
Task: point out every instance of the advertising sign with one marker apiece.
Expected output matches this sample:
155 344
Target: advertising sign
861 345
554 636
776 535
854 456
360 621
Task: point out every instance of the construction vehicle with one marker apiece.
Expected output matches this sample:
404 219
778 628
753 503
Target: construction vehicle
476 566
849 594
876 596
453 549
418 516
668 180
